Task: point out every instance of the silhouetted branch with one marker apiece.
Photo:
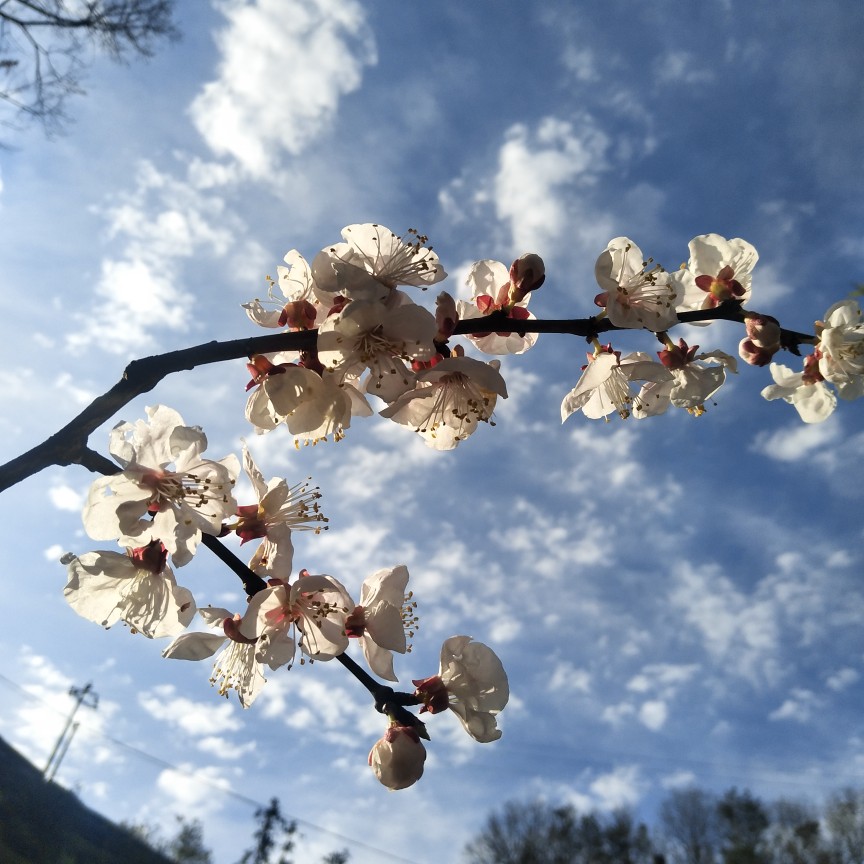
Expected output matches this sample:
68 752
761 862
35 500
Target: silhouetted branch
43 42
67 445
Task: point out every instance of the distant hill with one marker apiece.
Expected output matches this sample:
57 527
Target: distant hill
42 823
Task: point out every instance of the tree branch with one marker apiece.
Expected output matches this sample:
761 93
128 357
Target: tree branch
140 376
387 700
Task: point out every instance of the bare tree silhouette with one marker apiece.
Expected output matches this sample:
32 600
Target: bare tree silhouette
45 46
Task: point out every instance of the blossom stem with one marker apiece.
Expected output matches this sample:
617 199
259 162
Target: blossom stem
387 700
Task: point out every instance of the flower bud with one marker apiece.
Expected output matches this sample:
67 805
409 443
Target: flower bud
260 368
527 274
397 758
755 355
763 331
151 557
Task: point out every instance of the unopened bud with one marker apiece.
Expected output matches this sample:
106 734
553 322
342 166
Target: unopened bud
755 355
763 331
677 356
527 274
260 368
397 758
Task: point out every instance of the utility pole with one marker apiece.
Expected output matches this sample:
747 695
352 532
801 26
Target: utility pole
81 694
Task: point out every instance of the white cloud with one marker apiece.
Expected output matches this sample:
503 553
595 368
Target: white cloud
580 61
318 708
621 787
770 285
159 224
798 707
615 714
682 67
538 171
739 630
135 299
36 722
164 703
662 677
678 780
794 443
189 790
224 748
64 497
284 67
565 676
53 553
653 714
842 679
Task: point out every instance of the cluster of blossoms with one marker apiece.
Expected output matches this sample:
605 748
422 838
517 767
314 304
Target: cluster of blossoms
374 340
368 339
837 360
166 496
640 294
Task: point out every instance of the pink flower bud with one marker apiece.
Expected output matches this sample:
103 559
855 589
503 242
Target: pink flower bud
755 355
763 331
677 356
260 368
527 274
397 758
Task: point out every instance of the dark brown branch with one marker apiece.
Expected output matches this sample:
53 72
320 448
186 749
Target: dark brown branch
387 700
140 376
66 446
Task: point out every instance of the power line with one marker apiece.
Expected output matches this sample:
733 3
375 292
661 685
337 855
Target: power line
198 778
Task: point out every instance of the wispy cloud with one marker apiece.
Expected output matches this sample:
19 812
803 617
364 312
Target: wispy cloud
795 442
285 64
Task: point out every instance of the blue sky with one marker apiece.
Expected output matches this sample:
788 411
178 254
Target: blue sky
676 600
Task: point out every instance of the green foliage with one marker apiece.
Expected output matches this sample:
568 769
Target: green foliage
187 846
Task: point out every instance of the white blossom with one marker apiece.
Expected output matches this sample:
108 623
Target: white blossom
635 294
450 399
383 619
151 499
137 588
236 667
